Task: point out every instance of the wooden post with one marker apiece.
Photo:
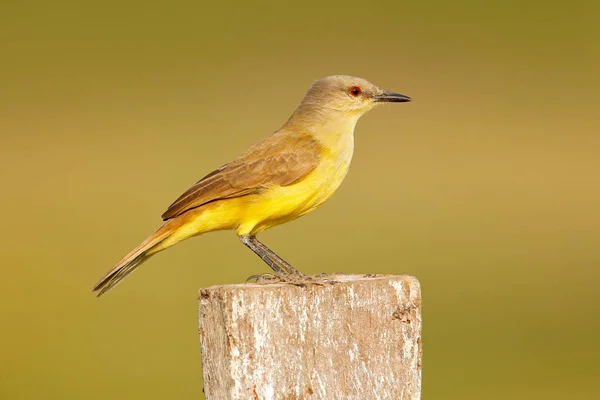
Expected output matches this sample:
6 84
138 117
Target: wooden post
357 339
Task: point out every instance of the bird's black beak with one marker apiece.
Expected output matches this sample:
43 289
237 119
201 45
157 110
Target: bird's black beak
390 97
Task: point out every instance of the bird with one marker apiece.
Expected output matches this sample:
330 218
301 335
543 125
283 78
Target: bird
282 177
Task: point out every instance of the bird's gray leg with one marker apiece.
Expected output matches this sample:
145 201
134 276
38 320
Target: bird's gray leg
251 243
283 270
293 275
284 264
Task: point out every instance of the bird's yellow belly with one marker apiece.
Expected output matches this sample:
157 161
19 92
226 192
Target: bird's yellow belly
280 204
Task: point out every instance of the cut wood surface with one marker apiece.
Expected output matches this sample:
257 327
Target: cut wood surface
356 339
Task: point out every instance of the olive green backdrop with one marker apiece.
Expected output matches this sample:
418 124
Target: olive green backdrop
486 186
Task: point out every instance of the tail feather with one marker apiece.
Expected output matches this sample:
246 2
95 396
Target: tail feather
132 260
109 282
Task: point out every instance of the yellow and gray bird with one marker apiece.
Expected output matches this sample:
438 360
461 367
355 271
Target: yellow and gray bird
279 179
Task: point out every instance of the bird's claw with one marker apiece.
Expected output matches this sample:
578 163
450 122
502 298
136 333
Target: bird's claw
262 279
299 280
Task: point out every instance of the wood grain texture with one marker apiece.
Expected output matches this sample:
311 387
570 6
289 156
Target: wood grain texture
357 339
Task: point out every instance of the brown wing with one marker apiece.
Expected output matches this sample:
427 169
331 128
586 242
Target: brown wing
281 159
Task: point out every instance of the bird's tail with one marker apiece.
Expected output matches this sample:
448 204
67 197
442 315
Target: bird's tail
134 259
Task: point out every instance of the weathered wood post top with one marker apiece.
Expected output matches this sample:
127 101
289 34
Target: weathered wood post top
357 339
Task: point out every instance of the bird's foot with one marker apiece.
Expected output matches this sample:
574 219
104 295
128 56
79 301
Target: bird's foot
264 279
267 279
304 280
326 279
299 279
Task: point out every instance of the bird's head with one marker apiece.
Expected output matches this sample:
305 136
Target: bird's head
349 95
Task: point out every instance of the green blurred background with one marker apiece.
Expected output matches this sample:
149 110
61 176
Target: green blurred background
486 187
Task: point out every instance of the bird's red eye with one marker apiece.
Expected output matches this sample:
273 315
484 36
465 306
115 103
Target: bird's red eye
354 91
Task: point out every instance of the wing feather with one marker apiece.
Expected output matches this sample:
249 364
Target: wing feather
281 159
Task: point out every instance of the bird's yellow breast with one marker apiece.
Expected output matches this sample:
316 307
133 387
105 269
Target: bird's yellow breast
280 204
